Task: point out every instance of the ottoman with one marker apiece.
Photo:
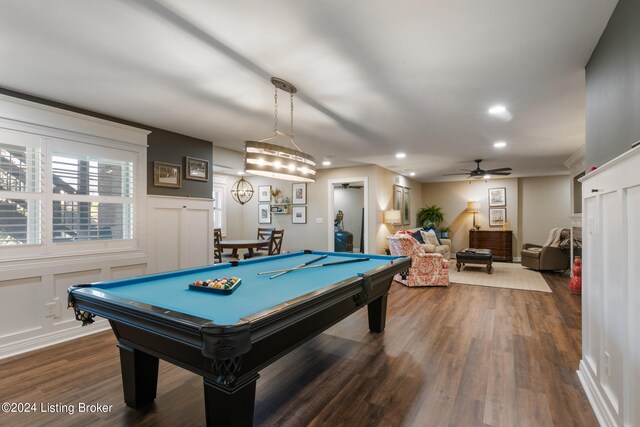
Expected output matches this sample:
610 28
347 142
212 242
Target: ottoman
474 256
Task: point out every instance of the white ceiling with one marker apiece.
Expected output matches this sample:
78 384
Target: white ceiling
373 77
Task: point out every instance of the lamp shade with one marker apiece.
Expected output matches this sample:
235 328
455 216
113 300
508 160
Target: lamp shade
473 207
391 217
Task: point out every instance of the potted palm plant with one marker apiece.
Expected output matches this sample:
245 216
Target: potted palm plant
430 216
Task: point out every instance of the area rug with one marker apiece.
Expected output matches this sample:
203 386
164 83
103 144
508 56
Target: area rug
504 275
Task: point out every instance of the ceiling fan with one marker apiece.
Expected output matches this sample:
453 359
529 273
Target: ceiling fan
347 185
480 173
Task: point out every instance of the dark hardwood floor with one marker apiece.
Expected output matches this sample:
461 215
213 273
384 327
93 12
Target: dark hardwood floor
458 356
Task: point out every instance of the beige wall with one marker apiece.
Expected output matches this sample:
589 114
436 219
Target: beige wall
242 221
453 198
545 203
534 206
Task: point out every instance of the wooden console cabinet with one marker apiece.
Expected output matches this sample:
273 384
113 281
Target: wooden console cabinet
499 241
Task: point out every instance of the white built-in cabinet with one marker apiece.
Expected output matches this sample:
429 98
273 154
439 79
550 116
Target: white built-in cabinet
180 233
610 365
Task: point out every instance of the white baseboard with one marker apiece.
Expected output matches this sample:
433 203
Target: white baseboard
517 259
35 343
597 401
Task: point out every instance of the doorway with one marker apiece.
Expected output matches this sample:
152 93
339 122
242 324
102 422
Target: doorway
347 225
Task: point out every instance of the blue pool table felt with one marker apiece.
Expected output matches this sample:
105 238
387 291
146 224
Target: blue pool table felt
256 293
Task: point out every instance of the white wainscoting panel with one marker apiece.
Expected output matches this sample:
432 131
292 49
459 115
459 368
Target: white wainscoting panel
633 300
127 271
165 234
610 366
180 233
20 301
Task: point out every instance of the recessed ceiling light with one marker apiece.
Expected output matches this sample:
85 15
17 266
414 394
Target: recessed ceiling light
400 155
326 163
240 173
498 109
500 144
412 174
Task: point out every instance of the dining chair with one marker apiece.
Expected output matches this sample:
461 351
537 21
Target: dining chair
218 252
275 244
263 234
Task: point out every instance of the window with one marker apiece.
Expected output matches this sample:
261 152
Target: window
92 198
53 192
21 169
219 214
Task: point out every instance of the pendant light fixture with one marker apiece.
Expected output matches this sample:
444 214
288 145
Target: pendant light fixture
274 161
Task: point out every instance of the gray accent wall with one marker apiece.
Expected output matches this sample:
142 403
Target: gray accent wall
613 87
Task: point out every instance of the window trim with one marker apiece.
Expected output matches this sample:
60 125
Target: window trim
44 123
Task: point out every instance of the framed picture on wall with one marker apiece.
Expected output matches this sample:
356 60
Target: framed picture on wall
264 194
497 216
167 175
497 197
406 206
299 193
264 213
196 169
397 197
299 215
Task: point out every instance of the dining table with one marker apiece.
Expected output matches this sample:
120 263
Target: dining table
249 244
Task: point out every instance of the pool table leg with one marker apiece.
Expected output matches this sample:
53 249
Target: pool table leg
139 376
229 409
377 314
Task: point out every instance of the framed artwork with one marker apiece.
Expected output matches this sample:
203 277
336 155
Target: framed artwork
264 213
196 169
264 194
497 197
299 215
299 192
397 197
167 175
406 206
497 216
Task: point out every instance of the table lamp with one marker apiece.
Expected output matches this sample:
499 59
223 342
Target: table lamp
474 208
392 217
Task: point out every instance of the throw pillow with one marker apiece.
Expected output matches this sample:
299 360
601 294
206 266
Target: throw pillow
430 237
434 232
418 236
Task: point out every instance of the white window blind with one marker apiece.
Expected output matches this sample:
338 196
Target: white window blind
218 206
92 198
21 171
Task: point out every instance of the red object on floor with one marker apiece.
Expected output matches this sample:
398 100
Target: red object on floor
575 284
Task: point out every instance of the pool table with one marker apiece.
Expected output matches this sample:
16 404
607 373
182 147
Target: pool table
228 339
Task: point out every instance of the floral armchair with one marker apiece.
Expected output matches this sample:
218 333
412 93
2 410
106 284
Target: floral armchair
427 269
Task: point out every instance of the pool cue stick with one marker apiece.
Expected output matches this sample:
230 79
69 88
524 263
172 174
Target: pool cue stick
298 266
321 265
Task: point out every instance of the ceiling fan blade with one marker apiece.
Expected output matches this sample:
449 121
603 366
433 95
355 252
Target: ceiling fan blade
452 174
498 170
499 173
